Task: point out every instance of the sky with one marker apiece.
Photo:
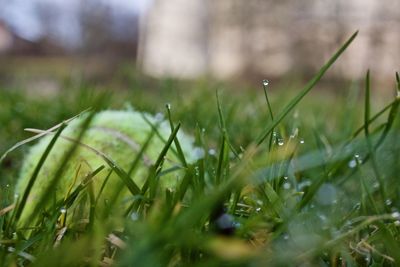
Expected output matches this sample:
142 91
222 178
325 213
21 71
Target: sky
21 16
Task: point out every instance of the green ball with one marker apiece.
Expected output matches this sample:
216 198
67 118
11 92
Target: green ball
119 135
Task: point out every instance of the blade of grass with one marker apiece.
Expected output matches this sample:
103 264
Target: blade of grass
305 90
367 111
35 173
179 150
41 203
33 138
222 126
265 85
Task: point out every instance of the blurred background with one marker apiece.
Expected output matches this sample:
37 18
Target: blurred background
43 43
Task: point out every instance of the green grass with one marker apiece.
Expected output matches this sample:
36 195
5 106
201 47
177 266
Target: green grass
298 178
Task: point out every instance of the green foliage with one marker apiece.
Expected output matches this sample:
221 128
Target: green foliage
312 183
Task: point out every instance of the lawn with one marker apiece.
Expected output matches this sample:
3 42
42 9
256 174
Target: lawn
281 176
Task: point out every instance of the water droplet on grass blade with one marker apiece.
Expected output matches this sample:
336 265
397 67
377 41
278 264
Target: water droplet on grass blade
327 194
352 163
198 153
396 215
265 82
134 216
280 142
287 186
63 210
212 152
159 117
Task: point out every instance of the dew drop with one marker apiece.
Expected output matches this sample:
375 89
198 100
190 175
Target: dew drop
168 106
265 82
301 141
134 216
287 186
396 215
322 217
198 153
196 171
159 117
358 158
63 210
327 194
352 163
280 142
388 202
212 152
304 184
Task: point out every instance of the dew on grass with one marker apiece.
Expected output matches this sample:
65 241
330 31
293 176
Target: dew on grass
212 152
302 141
285 177
388 202
265 82
327 194
196 171
322 217
352 163
168 106
358 158
355 161
294 134
280 142
304 184
63 210
287 186
134 216
396 215
159 117
198 153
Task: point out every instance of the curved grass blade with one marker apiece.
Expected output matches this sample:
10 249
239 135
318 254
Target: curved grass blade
33 138
36 172
305 90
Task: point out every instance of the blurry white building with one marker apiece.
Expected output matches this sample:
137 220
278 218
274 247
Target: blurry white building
230 38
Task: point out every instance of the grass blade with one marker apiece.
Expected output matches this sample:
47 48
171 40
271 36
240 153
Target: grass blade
36 172
305 90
